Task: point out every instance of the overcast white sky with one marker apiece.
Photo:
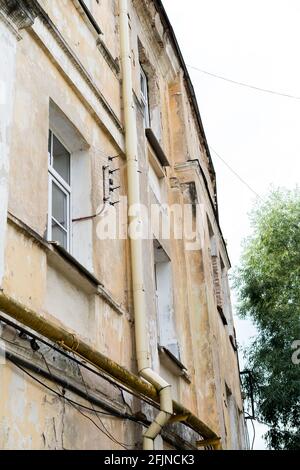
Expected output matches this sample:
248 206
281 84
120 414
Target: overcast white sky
258 134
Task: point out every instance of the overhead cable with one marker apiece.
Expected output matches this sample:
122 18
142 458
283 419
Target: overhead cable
247 85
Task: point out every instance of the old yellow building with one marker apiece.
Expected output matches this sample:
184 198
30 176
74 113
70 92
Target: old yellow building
116 331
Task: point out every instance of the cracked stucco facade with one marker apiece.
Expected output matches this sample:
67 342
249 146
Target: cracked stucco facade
57 60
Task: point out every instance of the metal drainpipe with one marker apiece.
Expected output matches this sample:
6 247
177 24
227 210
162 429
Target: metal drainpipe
139 299
56 333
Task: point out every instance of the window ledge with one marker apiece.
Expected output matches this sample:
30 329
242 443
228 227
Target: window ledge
59 256
70 259
160 154
172 363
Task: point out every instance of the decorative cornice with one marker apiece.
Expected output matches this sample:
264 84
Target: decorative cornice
196 166
111 61
89 91
78 65
17 15
147 11
10 25
21 13
94 27
158 39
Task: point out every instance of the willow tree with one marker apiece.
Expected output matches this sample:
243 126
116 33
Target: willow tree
268 289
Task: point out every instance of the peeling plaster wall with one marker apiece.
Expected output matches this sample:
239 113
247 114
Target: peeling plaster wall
83 40
68 302
7 87
37 420
36 276
26 269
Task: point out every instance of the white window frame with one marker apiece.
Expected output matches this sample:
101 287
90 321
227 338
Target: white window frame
156 178
88 4
54 177
164 340
145 97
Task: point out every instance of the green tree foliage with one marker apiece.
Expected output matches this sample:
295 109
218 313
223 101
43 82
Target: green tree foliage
268 288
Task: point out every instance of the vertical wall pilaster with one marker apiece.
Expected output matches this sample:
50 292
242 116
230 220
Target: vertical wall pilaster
15 15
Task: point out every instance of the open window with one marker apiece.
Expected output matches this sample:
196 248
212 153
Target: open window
70 187
227 309
59 166
145 97
221 287
216 273
150 99
164 301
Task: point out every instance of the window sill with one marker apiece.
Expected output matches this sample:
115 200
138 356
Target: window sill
59 257
173 364
73 261
158 151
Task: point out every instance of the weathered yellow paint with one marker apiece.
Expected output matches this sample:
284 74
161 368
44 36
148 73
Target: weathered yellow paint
60 61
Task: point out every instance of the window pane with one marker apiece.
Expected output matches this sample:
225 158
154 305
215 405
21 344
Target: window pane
88 4
142 84
144 98
59 205
49 146
61 160
59 235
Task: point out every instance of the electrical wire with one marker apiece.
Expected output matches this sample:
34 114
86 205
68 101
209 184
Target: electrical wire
101 430
74 406
235 173
97 372
126 416
101 422
247 85
256 419
124 401
254 434
73 403
106 432
61 395
116 415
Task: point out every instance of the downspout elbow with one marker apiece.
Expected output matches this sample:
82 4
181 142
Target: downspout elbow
139 299
161 419
154 378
